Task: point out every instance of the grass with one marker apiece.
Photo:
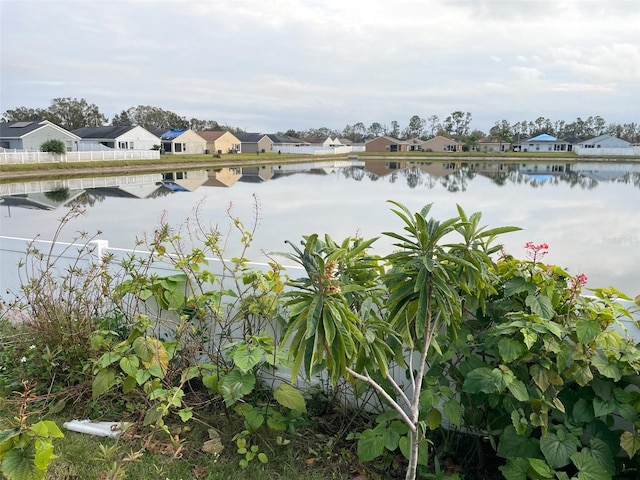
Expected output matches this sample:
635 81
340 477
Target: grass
83 456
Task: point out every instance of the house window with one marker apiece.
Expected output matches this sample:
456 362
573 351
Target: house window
130 145
69 145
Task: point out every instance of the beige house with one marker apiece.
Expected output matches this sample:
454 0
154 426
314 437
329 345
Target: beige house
488 144
441 144
223 177
385 144
220 141
180 141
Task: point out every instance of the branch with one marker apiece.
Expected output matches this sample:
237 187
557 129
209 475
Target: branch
395 405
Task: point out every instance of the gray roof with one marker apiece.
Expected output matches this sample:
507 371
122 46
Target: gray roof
19 129
249 137
103 132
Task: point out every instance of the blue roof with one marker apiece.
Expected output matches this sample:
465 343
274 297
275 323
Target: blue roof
543 137
170 134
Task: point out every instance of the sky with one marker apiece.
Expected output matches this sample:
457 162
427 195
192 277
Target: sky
273 65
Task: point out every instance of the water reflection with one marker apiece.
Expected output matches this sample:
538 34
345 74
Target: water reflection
587 211
453 176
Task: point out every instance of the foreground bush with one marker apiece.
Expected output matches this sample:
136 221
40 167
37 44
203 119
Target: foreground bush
463 347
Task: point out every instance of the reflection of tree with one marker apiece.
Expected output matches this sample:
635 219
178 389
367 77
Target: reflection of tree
357 173
87 199
60 195
414 177
455 181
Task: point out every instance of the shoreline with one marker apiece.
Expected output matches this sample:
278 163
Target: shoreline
69 170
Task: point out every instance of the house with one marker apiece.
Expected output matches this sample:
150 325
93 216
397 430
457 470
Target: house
29 136
490 144
604 141
414 144
382 169
385 144
223 177
323 142
180 141
122 137
282 142
220 141
254 142
544 143
441 144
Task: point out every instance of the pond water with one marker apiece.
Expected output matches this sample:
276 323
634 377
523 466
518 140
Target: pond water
588 213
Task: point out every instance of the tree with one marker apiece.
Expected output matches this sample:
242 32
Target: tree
375 129
352 317
54 146
457 124
24 114
502 131
415 129
434 125
395 129
72 113
121 119
153 118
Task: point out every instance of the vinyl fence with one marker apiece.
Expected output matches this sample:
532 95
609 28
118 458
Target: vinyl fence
23 157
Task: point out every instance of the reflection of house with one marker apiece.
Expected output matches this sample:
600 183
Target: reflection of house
488 144
543 171
381 169
254 142
42 200
385 144
30 136
219 142
180 140
223 177
437 169
544 143
124 137
605 172
187 181
257 174
441 144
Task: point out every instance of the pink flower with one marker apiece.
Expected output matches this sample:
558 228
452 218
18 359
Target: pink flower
581 279
535 252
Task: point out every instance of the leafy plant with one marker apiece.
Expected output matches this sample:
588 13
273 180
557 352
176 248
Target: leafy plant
26 450
352 319
54 146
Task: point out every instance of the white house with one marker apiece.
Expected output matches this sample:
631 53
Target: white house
30 135
604 141
544 143
119 137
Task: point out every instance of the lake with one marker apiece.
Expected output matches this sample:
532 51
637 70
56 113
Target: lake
588 213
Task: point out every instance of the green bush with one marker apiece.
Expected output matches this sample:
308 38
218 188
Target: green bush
54 146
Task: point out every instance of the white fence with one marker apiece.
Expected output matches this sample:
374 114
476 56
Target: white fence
24 157
311 150
606 152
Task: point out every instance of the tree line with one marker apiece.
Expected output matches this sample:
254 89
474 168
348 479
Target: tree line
73 113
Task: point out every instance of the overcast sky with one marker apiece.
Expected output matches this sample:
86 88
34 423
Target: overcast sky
271 65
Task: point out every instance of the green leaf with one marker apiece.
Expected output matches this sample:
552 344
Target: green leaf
262 457
583 411
129 365
514 445
103 381
452 410
515 469
557 451
517 285
370 445
434 418
44 453
519 390
605 367
235 385
541 306
590 468
18 464
423 449
290 397
245 358
541 468
511 349
630 443
587 330
480 380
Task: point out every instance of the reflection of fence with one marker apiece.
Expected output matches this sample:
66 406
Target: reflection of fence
24 157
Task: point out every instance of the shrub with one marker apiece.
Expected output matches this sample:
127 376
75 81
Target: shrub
54 146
